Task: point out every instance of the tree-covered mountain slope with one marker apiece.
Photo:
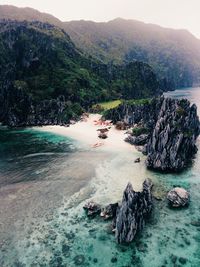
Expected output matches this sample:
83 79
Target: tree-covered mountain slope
173 54
45 79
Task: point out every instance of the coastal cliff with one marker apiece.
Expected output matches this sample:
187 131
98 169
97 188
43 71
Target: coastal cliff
172 143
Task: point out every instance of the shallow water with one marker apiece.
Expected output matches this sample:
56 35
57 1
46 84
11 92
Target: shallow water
44 181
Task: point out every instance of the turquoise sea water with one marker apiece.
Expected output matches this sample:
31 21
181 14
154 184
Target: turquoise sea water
44 181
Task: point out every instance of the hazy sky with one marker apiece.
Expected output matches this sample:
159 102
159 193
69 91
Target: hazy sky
168 13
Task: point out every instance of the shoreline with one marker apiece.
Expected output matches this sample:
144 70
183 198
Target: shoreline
118 166
86 133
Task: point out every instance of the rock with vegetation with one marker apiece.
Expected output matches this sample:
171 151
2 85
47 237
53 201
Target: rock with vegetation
173 141
178 197
134 209
172 126
141 112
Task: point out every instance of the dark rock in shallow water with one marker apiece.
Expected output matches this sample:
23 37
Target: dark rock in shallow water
65 249
109 212
79 260
114 259
182 260
178 197
92 209
95 260
131 215
196 223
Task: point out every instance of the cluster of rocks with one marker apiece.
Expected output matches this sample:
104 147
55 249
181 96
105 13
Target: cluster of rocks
128 217
172 127
93 209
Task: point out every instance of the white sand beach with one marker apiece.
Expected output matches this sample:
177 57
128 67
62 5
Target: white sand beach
117 168
86 132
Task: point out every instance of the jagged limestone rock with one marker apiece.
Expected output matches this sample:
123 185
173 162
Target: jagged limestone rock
173 127
131 215
172 143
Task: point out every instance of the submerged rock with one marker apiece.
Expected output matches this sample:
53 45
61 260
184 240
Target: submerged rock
178 197
92 209
131 215
79 260
195 223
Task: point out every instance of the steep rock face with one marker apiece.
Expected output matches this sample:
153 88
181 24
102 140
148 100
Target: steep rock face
144 112
131 215
172 143
173 127
19 109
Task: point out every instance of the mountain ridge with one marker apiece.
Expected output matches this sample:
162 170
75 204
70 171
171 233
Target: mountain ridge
173 54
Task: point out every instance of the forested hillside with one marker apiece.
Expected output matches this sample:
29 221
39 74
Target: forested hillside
173 54
46 79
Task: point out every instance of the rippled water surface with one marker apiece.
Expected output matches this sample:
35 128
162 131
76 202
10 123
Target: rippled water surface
44 181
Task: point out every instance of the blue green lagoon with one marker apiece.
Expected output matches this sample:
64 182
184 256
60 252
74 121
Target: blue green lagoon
46 178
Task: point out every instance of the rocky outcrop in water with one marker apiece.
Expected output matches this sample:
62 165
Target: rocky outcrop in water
172 143
172 129
92 209
178 197
134 209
